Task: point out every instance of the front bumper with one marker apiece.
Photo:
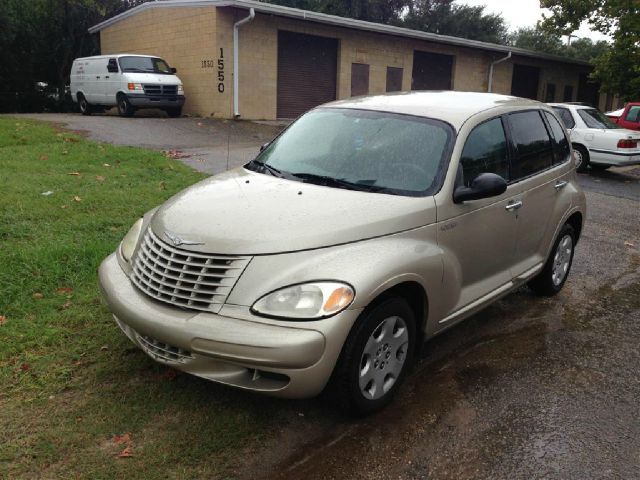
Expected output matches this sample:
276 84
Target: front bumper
143 100
286 359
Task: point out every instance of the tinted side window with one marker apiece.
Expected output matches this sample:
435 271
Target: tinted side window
532 142
633 115
560 142
485 151
565 116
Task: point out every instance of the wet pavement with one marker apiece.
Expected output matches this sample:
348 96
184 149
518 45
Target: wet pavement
528 388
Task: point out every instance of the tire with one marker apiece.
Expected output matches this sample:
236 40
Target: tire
555 272
375 358
174 112
125 109
582 158
599 167
85 107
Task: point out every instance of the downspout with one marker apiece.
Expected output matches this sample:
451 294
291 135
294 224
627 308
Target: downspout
236 93
500 60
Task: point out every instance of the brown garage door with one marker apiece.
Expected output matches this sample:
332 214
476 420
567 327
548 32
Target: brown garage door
524 81
307 70
431 71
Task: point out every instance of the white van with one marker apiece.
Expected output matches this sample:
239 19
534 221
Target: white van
126 81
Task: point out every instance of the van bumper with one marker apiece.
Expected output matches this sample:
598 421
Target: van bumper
284 359
156 101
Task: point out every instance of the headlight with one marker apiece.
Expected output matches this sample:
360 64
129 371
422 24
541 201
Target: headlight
135 86
180 90
130 240
306 301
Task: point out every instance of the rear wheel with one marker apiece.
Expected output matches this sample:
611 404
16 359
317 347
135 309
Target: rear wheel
85 108
581 155
125 109
375 357
555 272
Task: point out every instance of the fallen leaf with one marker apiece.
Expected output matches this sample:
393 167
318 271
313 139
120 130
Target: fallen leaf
106 165
44 157
47 193
76 198
629 244
75 174
63 206
162 186
66 305
120 439
65 152
100 178
199 124
38 295
104 348
63 290
70 140
25 367
126 453
3 319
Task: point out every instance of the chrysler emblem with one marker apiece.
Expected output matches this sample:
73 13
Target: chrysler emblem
177 241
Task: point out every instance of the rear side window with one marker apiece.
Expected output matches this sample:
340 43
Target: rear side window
532 142
560 143
633 115
565 116
485 151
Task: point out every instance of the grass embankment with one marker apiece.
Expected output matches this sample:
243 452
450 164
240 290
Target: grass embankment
74 393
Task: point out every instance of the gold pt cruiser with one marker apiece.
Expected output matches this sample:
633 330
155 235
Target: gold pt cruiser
366 227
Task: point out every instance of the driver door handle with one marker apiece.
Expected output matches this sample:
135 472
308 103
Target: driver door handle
513 205
560 184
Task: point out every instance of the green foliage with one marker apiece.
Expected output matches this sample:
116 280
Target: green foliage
70 379
618 68
532 38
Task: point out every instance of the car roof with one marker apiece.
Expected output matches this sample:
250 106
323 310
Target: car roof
115 55
453 107
571 105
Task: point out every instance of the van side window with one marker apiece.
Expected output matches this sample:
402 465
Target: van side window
565 116
485 151
112 66
532 143
560 143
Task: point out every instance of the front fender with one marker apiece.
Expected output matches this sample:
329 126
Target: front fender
370 266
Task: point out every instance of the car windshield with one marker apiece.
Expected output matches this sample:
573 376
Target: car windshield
595 119
360 150
144 64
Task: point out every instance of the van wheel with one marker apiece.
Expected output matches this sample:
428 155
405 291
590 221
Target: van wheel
174 112
85 108
581 155
555 272
375 358
125 109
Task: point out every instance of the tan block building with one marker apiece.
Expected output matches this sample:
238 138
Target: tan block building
290 60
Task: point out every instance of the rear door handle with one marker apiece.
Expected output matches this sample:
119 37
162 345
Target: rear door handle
560 184
514 205
97 76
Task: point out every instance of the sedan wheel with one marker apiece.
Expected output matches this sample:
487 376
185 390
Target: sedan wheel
383 357
582 158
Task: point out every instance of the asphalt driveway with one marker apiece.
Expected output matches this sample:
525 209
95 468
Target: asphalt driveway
528 388
208 145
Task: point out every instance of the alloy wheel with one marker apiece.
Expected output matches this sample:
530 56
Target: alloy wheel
562 259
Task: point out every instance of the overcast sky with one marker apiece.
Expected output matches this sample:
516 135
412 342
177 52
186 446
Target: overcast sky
525 13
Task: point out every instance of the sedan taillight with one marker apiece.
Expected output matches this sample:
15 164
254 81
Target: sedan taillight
627 143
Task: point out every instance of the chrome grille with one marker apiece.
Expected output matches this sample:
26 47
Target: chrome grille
186 279
163 351
159 90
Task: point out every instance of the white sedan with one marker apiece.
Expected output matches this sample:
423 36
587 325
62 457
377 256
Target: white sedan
596 140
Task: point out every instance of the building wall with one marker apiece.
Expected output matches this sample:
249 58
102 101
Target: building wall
199 42
184 37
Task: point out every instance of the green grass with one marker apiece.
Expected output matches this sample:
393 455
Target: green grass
69 379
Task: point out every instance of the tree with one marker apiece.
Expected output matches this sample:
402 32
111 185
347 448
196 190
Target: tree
533 38
586 49
616 68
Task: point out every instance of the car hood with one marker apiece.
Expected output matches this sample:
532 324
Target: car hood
247 213
139 77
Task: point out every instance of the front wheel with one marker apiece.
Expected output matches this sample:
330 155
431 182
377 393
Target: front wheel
125 109
555 272
375 357
85 107
581 155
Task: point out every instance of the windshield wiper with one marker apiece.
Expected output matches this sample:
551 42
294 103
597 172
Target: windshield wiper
340 183
267 169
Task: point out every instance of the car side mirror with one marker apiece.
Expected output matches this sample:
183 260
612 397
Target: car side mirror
484 185
263 146
112 68
174 70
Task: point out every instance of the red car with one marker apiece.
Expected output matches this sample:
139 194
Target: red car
628 117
